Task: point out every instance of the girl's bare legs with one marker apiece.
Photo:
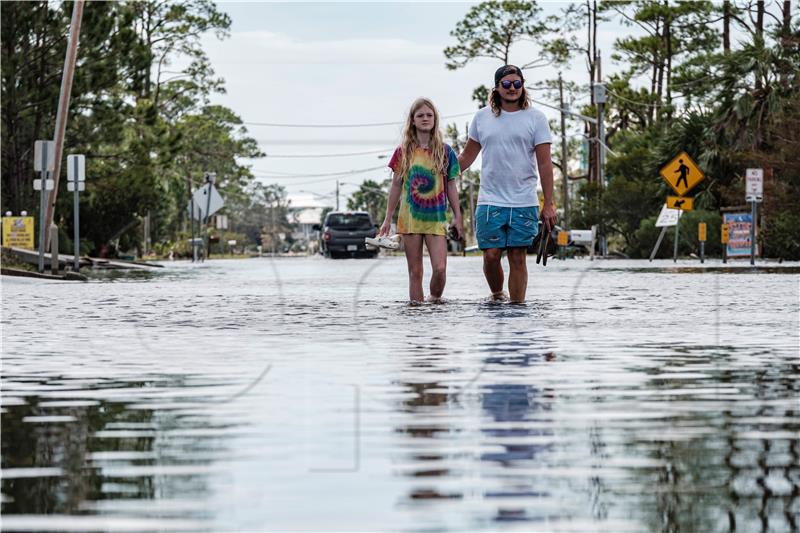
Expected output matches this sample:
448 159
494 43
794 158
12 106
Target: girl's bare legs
437 249
413 247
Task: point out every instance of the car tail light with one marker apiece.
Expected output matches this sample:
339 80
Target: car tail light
326 235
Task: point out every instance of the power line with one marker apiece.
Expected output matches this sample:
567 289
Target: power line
269 174
309 156
366 125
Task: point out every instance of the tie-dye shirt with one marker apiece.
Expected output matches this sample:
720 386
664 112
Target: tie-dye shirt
423 203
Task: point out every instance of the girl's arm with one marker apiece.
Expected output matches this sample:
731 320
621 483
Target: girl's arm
455 205
391 203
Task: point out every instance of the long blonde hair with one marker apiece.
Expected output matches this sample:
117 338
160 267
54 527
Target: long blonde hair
409 143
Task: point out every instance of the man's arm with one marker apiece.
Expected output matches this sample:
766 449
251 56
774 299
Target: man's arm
545 164
468 154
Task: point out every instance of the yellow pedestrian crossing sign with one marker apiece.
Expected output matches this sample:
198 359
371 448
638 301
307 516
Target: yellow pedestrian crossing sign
679 202
682 174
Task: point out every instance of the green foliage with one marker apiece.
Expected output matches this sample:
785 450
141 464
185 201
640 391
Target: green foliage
371 197
489 29
145 125
646 236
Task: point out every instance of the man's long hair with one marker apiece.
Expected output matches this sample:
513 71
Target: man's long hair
524 100
409 143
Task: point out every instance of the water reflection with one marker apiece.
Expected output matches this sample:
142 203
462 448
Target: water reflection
521 416
605 404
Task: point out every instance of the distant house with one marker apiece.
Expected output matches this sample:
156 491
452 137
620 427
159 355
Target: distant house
305 210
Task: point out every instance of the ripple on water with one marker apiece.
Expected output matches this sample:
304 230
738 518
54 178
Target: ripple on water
244 393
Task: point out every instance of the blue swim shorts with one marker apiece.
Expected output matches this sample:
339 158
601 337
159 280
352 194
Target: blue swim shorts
506 227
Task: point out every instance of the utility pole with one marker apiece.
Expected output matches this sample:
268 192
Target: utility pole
63 108
337 195
600 100
564 172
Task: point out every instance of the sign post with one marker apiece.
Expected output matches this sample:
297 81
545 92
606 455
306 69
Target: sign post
210 177
666 218
724 240
76 176
682 174
204 202
701 235
44 162
754 188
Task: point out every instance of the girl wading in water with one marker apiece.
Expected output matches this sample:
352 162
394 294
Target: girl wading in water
424 180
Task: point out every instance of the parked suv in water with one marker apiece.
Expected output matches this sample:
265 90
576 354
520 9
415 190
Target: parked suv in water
343 233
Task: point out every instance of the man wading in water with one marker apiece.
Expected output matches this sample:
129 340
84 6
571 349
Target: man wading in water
515 140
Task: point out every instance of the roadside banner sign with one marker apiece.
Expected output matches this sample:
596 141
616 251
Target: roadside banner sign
754 184
667 217
738 234
701 231
682 174
680 202
726 233
18 232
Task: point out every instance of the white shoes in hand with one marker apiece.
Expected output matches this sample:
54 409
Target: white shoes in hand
392 243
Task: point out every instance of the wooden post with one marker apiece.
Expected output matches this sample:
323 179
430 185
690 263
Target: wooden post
63 105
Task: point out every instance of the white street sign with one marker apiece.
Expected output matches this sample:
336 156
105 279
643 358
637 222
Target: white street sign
232 242
37 185
76 167
755 182
50 148
198 212
201 199
668 217
71 186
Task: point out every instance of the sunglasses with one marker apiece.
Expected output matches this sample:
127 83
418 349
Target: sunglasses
506 84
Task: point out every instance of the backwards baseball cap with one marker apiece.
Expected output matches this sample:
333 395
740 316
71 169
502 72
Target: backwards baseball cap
504 71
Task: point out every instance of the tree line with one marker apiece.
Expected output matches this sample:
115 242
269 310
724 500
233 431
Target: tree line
140 111
687 85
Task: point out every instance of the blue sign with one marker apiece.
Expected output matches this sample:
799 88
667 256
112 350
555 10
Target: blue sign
739 233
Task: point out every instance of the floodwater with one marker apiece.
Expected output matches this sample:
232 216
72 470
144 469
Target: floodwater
303 394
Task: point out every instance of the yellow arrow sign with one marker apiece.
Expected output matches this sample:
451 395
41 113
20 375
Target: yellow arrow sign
682 174
679 202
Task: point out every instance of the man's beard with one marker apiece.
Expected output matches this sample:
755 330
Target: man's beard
516 100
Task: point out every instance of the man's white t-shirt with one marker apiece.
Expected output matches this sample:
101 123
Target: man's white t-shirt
509 172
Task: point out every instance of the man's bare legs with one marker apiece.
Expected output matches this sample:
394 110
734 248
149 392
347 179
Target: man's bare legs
493 270
437 249
413 247
517 274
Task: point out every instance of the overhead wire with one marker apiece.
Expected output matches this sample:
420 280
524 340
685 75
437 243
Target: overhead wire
310 156
364 125
288 175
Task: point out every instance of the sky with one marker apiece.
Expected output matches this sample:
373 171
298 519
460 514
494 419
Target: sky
346 63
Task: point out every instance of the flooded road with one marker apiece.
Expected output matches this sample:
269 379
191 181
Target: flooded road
303 394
